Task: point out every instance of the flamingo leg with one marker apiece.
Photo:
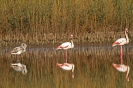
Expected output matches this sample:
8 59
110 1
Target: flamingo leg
18 59
121 54
65 55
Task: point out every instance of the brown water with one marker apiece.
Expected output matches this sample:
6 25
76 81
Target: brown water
93 67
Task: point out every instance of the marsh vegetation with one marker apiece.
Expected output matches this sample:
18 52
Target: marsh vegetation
51 21
41 24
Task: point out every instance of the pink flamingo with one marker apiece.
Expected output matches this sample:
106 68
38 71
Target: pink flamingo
122 68
121 41
65 46
67 66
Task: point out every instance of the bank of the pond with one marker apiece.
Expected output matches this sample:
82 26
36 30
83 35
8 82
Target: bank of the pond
55 38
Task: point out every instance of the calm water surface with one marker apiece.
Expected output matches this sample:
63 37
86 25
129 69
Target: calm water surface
93 67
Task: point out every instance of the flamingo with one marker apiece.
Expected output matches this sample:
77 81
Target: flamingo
19 67
121 41
122 68
20 49
67 66
66 45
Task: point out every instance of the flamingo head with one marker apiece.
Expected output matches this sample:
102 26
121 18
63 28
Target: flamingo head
24 70
24 45
126 30
71 36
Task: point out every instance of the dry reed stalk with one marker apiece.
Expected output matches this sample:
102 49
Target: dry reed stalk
65 16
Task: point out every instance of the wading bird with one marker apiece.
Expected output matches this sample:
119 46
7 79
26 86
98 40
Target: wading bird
20 49
122 41
19 67
122 68
67 66
65 46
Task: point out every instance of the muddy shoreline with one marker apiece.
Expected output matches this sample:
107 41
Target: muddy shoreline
53 39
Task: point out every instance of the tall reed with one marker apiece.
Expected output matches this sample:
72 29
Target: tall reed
34 19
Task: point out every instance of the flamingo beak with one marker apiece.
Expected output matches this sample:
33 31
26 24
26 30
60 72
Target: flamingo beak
127 78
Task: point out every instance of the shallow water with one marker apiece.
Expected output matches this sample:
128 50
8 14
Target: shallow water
93 67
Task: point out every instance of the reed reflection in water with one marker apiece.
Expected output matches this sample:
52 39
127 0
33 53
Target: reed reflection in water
93 68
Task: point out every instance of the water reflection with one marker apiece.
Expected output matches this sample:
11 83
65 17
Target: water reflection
93 67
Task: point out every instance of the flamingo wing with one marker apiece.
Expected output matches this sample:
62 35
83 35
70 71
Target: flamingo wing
120 67
65 45
16 49
120 41
17 66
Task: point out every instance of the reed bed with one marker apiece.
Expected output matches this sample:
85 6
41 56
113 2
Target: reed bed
93 68
53 39
51 21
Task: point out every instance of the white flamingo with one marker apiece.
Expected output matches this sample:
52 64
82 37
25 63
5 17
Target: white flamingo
121 41
65 46
19 67
122 68
20 49
67 66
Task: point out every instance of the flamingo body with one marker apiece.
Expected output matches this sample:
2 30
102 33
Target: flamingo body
121 41
20 49
19 67
66 45
67 66
122 68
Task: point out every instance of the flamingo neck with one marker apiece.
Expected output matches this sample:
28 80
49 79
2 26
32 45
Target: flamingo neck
72 45
121 54
128 69
72 70
24 70
127 39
